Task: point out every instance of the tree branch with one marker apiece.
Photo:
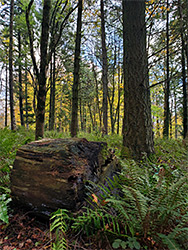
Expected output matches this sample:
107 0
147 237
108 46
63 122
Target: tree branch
53 43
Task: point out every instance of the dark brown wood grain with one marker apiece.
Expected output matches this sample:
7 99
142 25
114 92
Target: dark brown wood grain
52 173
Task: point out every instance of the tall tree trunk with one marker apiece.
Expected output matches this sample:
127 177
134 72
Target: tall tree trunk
74 119
185 119
175 115
119 91
11 81
84 116
137 127
183 50
51 84
41 97
104 70
91 116
157 118
6 96
26 95
26 101
97 96
20 80
170 121
81 116
111 100
167 83
52 94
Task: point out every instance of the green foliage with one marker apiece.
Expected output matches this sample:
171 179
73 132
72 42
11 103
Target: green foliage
113 141
171 152
4 200
10 141
59 226
91 221
119 243
170 242
131 243
55 134
145 205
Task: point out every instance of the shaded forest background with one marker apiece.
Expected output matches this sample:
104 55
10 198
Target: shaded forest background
167 48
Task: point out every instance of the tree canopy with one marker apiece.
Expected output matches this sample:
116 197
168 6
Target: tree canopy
47 47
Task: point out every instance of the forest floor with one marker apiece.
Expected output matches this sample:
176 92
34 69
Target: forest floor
25 232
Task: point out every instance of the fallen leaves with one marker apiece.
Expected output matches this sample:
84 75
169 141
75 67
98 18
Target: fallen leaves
24 233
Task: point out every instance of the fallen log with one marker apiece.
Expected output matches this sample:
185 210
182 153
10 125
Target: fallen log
52 173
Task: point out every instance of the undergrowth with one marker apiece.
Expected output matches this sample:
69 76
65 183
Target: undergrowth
10 141
144 207
144 211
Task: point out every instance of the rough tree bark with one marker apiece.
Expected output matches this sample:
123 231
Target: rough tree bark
52 93
183 50
41 97
20 80
26 95
167 82
137 127
11 81
74 119
104 70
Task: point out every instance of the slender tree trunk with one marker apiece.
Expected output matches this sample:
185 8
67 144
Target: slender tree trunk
20 81
170 122
104 70
34 95
185 121
167 83
175 115
183 50
91 117
81 116
137 127
26 101
52 94
111 100
51 83
157 119
97 96
6 96
74 119
84 117
11 81
157 127
41 97
54 89
119 91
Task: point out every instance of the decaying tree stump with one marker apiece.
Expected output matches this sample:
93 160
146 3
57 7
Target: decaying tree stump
52 173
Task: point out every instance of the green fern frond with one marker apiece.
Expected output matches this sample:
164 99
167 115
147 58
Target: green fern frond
59 226
170 242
